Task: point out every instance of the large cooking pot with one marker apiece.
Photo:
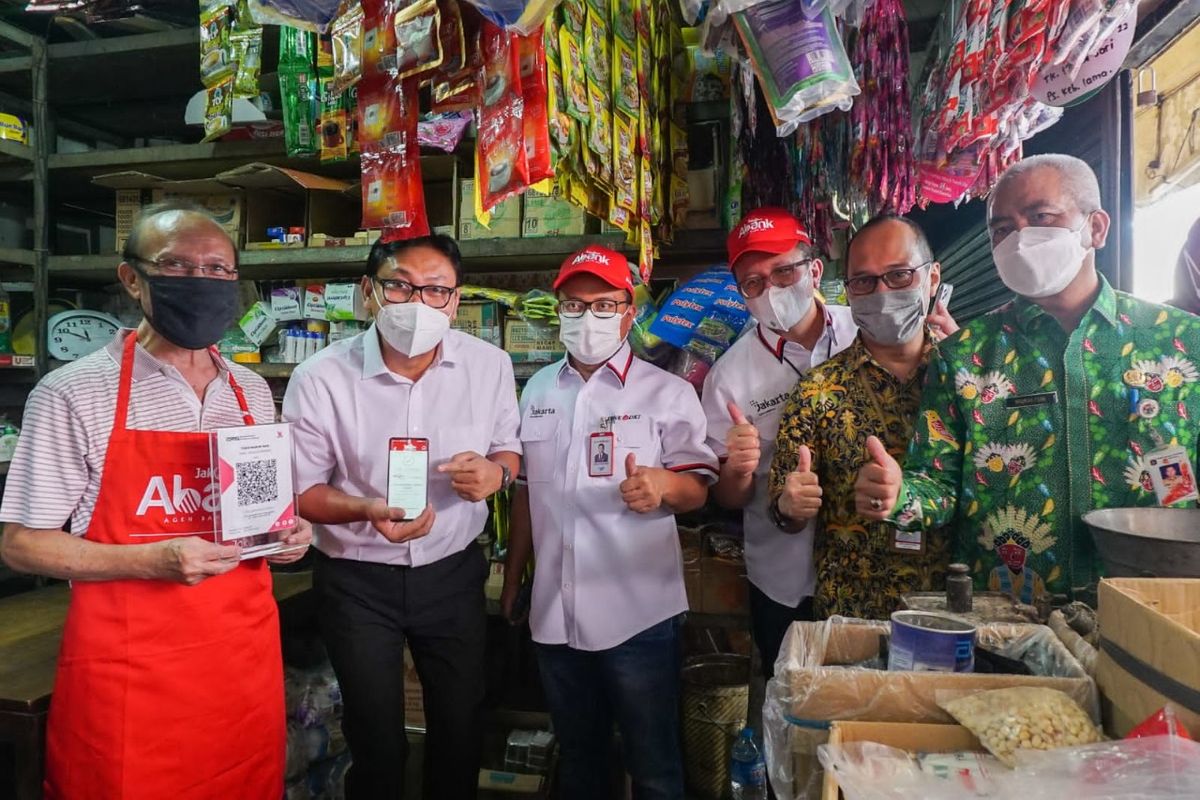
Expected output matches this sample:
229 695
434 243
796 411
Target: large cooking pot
1147 542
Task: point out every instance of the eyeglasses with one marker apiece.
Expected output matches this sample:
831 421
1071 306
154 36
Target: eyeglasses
782 276
181 267
601 309
893 279
398 291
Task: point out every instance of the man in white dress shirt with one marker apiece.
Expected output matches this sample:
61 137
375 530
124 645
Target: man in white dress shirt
778 273
387 575
608 591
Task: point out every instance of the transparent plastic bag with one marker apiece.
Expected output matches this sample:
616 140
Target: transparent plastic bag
870 771
308 15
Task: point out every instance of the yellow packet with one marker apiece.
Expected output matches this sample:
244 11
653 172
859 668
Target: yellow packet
679 201
645 250
347 49
595 48
625 82
574 79
646 186
574 16
218 109
216 53
600 130
625 179
619 217
556 101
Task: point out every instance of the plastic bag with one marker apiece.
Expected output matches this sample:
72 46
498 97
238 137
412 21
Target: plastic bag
800 62
418 38
870 771
347 38
521 17
1164 722
309 15
1023 718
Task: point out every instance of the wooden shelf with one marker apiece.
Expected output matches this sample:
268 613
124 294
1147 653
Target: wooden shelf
12 255
272 370
15 151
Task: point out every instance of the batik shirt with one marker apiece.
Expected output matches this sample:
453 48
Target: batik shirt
833 409
1024 428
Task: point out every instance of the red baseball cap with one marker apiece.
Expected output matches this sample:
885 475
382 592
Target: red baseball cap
765 230
607 265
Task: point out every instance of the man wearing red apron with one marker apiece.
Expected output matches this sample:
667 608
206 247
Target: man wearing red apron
170 679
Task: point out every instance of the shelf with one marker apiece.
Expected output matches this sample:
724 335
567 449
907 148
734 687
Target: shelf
15 151
11 363
271 370
12 255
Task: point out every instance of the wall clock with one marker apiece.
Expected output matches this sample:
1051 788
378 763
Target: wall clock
76 333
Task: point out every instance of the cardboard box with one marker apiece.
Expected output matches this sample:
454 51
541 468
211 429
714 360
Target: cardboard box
481 319
551 215
1149 650
136 190
276 196
910 737
527 344
506 217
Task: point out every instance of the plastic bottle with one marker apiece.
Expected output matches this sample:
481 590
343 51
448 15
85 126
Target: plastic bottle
747 769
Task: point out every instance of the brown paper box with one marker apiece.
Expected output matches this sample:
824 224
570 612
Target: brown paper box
1149 650
910 737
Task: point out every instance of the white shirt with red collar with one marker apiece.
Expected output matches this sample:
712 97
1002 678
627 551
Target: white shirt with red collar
605 573
758 373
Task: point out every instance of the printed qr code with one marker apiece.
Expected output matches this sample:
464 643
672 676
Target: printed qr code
256 482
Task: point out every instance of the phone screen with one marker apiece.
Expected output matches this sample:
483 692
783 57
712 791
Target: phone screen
408 476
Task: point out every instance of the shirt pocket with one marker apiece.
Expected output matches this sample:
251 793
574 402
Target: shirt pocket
636 436
539 441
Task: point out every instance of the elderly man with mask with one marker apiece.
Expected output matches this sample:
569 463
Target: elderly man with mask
1059 402
865 397
614 448
170 677
385 576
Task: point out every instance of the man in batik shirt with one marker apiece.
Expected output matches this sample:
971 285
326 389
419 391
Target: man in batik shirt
1052 405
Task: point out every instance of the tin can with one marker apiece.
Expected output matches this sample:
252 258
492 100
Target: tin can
924 642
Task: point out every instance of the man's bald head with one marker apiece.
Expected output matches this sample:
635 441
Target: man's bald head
161 223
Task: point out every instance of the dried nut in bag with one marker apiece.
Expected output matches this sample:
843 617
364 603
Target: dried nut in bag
1023 717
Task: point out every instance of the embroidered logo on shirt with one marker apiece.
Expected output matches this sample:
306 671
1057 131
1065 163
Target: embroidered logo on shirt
769 404
535 412
606 423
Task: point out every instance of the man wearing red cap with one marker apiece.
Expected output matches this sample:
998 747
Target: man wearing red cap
777 272
614 447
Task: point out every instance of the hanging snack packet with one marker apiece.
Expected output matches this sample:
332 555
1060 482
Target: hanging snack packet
381 115
625 177
574 76
379 37
218 109
574 16
532 69
298 90
350 102
454 45
309 15
324 55
418 43
625 78
247 53
216 55
500 165
347 43
297 48
595 48
458 90
623 21
333 124
600 130
800 61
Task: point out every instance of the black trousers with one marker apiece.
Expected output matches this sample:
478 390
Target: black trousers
367 612
770 621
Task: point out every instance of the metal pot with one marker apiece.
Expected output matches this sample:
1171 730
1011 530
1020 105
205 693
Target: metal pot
1147 542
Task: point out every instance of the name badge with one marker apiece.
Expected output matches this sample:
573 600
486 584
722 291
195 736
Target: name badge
1030 400
908 542
600 455
1172 475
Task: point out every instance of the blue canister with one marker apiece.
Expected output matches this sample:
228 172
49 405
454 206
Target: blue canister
924 642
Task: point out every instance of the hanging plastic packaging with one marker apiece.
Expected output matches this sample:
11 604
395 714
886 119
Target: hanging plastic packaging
247 53
309 15
799 60
393 195
334 124
379 37
299 92
216 54
501 168
347 39
297 48
535 114
218 109
521 17
418 41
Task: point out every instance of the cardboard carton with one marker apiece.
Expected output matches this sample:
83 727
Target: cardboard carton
480 319
527 344
505 222
281 197
910 737
551 215
136 190
1149 650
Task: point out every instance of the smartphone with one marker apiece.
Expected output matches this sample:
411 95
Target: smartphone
408 476
943 296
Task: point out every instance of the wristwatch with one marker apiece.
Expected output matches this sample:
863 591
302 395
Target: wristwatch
506 478
784 523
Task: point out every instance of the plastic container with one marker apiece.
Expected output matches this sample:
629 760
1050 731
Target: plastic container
924 642
747 769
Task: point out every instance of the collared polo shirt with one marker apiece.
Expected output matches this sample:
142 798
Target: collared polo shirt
56 471
758 373
605 573
345 406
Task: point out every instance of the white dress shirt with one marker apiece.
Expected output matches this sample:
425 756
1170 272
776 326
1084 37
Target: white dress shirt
605 573
758 373
345 405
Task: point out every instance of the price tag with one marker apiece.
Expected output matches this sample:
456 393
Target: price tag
600 455
408 476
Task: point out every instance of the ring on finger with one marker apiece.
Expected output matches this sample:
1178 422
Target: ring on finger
876 504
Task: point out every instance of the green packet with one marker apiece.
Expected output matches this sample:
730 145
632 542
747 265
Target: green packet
298 90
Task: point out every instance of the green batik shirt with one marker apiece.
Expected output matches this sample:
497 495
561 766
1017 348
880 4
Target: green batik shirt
1024 428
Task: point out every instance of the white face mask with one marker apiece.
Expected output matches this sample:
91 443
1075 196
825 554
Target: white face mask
411 328
591 340
1040 262
780 308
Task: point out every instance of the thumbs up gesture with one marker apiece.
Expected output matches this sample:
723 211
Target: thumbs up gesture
878 484
641 490
801 497
742 444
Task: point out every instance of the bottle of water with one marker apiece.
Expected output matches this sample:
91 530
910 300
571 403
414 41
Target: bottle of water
747 769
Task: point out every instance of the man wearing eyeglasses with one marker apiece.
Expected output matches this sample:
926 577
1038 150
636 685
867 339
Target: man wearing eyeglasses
865 397
614 448
117 444
385 576
777 272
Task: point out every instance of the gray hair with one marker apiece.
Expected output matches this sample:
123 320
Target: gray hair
1078 178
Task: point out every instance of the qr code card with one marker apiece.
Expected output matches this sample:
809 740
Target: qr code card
253 468
1172 475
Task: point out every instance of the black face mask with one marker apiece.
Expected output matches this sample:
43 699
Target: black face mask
192 313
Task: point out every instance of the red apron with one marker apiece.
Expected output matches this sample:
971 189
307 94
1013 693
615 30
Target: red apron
166 691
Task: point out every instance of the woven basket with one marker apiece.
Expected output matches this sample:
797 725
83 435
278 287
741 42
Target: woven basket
716 694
